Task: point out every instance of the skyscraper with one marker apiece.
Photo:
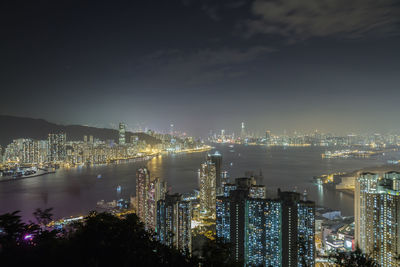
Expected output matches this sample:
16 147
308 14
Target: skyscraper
268 137
122 129
250 224
208 188
157 191
243 131
174 222
216 158
377 216
57 147
266 232
142 191
298 227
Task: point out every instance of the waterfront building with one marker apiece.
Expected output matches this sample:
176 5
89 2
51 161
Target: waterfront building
30 151
268 137
377 216
57 147
265 232
142 191
216 158
174 222
121 133
243 131
208 188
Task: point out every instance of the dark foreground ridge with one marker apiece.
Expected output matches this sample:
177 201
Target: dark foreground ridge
101 240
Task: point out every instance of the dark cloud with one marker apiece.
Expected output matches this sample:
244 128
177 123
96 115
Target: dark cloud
203 66
212 12
235 4
300 20
216 9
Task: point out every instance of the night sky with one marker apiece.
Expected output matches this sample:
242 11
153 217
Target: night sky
332 65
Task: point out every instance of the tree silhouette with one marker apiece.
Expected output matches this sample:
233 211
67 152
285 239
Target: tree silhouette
99 240
355 258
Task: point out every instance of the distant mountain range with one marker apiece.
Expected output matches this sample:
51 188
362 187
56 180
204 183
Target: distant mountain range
18 127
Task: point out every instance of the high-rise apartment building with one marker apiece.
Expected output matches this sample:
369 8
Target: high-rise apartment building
377 216
265 232
157 191
174 222
208 188
142 191
298 228
26 150
57 147
216 158
121 137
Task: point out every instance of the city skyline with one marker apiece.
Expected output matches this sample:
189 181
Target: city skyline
200 133
204 65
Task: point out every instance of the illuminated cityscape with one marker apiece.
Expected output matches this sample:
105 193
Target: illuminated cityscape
277 232
200 133
377 218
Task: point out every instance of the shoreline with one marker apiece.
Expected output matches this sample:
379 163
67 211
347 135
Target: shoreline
142 158
25 177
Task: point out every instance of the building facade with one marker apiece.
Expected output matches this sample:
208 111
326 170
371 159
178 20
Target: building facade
57 147
157 191
377 216
121 134
216 158
174 222
265 232
208 189
142 191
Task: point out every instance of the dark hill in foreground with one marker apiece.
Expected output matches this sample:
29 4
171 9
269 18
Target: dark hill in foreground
19 127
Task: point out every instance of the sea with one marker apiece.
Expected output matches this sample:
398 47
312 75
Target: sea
76 191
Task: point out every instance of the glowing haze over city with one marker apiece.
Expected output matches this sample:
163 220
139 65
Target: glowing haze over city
204 65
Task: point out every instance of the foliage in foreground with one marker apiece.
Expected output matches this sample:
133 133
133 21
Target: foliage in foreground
354 259
101 240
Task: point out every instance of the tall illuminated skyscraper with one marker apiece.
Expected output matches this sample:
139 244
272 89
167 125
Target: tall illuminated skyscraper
216 158
208 188
251 224
377 216
142 192
157 191
243 131
174 222
298 230
122 129
57 147
266 232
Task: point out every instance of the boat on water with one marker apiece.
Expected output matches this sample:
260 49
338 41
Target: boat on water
231 146
99 176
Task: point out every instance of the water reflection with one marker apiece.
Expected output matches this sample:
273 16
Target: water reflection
77 190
